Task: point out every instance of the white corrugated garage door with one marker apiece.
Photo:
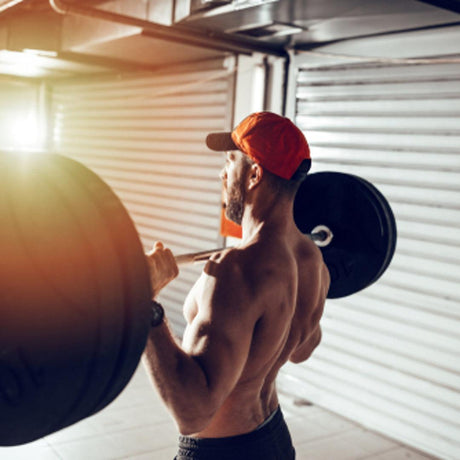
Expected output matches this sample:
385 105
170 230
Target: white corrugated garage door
390 356
145 136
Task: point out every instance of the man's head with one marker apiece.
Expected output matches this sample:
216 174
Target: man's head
263 144
268 139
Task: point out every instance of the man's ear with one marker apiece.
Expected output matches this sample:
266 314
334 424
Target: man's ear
255 175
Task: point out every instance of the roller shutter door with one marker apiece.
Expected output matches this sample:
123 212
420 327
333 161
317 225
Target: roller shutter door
145 136
390 356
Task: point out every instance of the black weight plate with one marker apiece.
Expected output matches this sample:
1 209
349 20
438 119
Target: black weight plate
359 249
391 223
75 295
66 298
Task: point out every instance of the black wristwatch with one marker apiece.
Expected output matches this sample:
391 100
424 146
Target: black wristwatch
157 315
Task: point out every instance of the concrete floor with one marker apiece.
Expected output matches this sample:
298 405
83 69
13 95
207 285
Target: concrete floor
136 426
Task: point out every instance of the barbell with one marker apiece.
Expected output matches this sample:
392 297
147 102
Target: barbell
74 283
349 220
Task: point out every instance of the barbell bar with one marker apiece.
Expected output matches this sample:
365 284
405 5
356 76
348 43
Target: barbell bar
321 235
75 291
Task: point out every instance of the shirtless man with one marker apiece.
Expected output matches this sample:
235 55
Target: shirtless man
254 307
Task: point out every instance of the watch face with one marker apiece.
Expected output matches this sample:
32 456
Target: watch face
157 314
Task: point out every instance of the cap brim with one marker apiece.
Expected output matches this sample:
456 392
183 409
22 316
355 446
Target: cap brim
220 142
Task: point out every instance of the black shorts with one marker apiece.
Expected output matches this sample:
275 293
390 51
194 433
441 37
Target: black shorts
271 441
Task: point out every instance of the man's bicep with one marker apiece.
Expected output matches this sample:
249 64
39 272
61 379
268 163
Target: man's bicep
221 347
220 335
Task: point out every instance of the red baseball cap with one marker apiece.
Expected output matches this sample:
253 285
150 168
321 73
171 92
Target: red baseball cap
269 139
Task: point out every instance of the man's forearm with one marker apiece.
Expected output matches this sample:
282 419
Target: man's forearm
180 380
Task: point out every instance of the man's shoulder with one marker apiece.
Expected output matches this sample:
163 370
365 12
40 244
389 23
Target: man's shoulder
226 267
239 266
245 257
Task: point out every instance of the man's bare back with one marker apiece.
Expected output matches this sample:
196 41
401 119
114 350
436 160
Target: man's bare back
284 283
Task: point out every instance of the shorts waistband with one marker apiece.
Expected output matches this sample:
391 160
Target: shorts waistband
266 429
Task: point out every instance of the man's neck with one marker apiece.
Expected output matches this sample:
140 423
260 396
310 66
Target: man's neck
270 213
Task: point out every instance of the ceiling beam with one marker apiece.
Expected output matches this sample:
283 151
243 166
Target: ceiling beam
208 39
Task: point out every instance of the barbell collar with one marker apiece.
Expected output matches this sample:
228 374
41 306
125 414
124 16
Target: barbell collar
321 235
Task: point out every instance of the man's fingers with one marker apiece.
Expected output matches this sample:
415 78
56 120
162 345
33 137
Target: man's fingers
162 265
172 262
157 246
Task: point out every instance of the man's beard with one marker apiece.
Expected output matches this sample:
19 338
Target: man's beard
235 203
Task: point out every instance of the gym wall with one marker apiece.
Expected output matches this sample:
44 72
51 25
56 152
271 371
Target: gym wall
389 357
145 136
